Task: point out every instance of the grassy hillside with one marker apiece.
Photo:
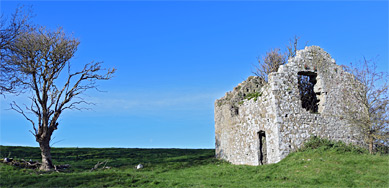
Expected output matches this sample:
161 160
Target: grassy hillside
319 165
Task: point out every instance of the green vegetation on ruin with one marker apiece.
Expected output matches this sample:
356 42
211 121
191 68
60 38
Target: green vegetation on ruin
250 96
321 163
254 96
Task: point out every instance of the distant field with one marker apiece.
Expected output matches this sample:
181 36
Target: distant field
195 168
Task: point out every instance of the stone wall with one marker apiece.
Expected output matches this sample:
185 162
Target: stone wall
236 133
277 110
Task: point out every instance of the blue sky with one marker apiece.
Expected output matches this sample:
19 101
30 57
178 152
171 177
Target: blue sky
175 58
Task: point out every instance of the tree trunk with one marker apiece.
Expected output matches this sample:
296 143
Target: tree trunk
371 142
47 164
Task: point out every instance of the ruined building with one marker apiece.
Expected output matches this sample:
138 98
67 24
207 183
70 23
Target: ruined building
262 123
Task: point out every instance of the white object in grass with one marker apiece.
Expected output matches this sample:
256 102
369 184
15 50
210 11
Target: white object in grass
139 166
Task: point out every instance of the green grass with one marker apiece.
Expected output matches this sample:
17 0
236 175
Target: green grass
317 165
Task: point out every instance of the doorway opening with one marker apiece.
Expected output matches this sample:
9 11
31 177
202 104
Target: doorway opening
262 152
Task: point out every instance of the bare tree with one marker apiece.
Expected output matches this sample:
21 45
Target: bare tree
293 46
372 93
274 59
9 31
270 63
38 58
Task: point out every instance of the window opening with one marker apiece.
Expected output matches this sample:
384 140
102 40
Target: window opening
306 84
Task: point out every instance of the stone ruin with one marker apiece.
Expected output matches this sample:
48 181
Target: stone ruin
259 124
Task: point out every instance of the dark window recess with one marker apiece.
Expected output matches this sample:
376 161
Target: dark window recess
306 83
234 110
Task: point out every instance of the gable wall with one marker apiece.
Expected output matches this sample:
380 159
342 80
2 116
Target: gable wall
297 124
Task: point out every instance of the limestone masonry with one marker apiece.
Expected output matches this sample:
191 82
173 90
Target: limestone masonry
259 124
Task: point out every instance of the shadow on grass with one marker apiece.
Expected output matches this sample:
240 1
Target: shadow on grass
82 159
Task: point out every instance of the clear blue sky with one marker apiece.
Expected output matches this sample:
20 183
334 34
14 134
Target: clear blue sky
174 59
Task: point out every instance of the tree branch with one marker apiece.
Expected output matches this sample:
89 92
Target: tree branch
17 108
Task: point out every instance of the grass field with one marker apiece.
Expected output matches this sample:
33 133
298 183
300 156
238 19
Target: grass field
328 165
